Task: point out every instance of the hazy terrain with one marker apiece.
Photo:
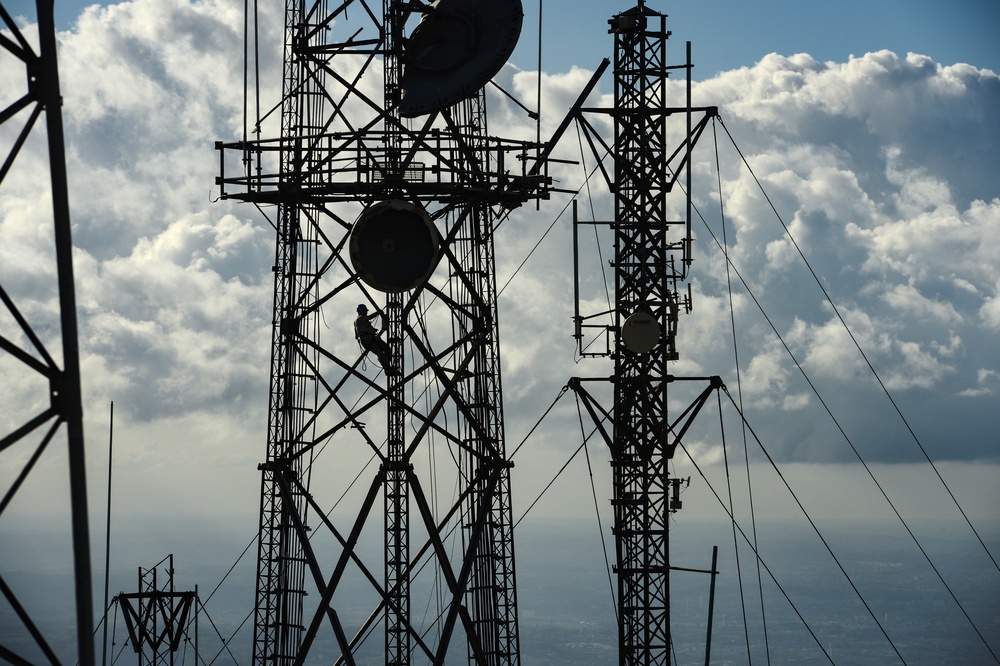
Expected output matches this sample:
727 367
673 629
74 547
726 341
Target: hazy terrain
566 612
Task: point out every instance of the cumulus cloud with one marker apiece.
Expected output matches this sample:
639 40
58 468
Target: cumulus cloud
880 170
173 290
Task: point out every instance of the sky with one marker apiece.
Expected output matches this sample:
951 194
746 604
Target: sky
871 126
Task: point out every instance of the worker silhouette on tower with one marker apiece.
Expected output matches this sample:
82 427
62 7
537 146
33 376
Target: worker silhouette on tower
367 336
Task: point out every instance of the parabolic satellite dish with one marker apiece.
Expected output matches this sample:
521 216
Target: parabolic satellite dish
394 246
457 47
640 332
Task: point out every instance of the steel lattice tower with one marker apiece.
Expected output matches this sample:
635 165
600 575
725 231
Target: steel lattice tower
355 186
647 268
158 618
49 409
652 255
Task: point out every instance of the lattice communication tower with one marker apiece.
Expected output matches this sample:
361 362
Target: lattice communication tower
385 188
45 412
651 185
160 619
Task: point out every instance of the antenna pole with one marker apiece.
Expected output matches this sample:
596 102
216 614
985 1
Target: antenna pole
652 255
646 281
711 605
107 536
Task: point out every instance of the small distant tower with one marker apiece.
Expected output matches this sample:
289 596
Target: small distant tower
158 618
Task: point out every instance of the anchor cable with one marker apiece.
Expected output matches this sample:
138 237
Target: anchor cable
746 457
837 423
857 345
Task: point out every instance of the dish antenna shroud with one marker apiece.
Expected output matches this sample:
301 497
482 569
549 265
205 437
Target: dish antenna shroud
641 332
458 46
394 246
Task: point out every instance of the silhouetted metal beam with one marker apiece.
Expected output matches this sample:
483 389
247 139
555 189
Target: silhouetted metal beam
65 389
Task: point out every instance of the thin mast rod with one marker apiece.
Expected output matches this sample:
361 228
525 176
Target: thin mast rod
107 538
711 606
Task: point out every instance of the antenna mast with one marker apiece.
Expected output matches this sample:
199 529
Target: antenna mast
389 201
652 255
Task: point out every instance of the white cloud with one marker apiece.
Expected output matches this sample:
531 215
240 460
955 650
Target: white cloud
904 297
986 382
872 167
990 310
765 373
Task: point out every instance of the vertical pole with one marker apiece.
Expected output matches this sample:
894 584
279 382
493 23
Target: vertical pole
396 540
171 601
538 96
138 577
646 280
577 324
66 389
107 537
280 571
197 609
156 616
687 142
711 606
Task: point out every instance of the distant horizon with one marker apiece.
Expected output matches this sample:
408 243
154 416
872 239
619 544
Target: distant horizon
579 629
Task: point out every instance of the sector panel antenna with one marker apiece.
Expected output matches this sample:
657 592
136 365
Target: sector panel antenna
457 47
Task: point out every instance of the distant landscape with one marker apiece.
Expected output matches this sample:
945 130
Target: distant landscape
565 604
